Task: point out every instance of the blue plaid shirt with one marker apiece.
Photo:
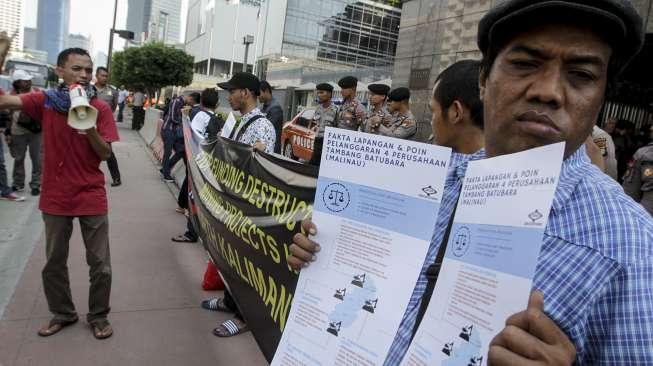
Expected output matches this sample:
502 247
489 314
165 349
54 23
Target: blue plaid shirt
595 268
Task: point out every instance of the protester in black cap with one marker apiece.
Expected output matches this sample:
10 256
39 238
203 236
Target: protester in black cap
378 94
325 115
403 124
545 68
272 110
253 128
351 113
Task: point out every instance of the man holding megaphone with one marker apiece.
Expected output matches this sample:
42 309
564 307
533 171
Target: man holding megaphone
78 130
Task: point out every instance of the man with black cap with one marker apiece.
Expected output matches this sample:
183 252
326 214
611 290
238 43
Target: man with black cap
325 115
378 94
256 130
403 124
546 65
351 113
253 128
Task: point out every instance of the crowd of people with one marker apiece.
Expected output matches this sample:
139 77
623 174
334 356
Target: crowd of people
542 79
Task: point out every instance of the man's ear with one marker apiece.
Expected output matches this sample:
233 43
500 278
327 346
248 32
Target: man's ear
456 112
59 71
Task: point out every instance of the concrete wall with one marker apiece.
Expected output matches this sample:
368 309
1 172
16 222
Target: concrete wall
433 34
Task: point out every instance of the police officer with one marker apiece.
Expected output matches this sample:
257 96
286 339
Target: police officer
638 182
109 94
403 124
325 115
379 114
351 114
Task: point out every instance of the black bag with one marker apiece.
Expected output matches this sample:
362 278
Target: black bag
29 123
216 123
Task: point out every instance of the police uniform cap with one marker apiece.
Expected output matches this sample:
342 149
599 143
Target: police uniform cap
617 19
324 86
348 82
399 94
379 89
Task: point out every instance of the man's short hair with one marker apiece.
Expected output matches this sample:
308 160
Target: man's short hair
460 82
195 96
63 55
209 98
101 68
266 87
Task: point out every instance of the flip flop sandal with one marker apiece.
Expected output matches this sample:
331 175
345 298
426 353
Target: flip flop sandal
102 329
182 239
216 304
55 326
229 328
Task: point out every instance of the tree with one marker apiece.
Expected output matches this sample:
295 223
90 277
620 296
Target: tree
151 67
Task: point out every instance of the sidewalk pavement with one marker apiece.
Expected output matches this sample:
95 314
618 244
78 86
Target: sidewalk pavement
156 288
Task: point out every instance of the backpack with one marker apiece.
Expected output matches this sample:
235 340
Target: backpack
216 123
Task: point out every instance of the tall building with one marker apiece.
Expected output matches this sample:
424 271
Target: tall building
307 41
436 33
210 27
295 41
52 25
29 38
154 20
80 41
100 59
12 22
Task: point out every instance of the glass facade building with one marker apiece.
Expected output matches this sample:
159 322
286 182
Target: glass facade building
52 27
324 40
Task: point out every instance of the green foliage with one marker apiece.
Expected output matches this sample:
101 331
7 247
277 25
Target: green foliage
151 67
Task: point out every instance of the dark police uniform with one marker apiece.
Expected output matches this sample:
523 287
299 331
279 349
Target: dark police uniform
379 114
351 113
402 125
638 182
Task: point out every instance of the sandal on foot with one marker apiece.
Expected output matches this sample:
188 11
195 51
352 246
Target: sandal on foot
183 239
54 326
216 304
230 328
102 329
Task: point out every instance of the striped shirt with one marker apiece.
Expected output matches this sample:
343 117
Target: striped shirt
595 269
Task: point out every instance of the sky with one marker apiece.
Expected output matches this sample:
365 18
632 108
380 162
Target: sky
93 18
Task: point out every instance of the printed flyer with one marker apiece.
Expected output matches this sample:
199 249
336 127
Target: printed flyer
376 204
491 255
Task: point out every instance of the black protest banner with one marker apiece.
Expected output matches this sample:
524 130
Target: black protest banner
249 206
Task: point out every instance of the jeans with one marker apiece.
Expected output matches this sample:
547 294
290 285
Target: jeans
112 164
121 108
171 144
4 188
19 146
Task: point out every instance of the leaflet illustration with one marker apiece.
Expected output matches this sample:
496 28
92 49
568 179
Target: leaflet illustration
376 204
491 256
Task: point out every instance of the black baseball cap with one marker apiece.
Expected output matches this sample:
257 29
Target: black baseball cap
616 18
242 80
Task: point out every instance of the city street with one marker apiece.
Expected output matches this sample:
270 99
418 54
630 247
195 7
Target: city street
156 290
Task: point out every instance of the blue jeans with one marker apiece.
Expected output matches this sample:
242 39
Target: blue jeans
4 188
171 143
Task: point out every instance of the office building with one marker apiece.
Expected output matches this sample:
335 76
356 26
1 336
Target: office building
52 27
79 41
154 20
12 22
29 38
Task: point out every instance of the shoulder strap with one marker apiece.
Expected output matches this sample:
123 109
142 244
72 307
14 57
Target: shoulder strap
242 130
432 273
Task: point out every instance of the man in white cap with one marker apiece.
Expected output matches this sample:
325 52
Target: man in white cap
24 134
